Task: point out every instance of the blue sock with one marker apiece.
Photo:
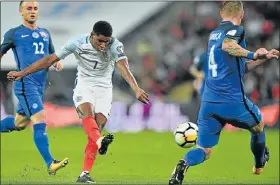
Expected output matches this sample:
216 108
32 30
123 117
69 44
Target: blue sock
195 156
8 124
41 140
258 147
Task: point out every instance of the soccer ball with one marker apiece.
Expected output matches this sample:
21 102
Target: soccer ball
186 134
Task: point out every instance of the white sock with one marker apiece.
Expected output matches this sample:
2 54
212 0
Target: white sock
84 173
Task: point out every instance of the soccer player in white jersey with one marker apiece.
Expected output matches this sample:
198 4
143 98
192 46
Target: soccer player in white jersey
97 54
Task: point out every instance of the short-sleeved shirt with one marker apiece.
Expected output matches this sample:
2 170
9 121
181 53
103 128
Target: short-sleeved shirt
224 82
94 67
28 46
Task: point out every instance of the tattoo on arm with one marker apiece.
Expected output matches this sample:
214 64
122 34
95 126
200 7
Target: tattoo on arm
233 48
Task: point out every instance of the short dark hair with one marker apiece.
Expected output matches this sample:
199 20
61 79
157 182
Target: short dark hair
103 28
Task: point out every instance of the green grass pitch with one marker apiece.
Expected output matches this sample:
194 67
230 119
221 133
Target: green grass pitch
142 158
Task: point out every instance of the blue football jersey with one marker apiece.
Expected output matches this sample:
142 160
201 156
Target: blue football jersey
201 64
224 82
28 46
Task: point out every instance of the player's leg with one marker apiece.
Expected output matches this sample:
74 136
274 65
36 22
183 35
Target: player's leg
8 124
90 126
96 143
33 107
102 112
42 143
17 123
247 116
259 148
258 139
208 136
93 148
21 121
105 141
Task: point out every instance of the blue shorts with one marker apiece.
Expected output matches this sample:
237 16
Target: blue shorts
30 99
213 117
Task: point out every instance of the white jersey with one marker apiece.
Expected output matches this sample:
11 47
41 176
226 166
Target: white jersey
94 67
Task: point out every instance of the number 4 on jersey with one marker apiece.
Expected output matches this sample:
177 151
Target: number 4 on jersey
211 63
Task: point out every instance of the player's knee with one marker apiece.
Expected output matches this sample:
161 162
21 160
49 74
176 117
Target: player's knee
21 126
87 114
207 151
39 117
258 129
85 110
21 122
101 120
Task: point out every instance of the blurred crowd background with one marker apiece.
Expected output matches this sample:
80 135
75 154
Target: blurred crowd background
161 46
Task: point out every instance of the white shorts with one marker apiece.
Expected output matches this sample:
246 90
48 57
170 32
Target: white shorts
99 97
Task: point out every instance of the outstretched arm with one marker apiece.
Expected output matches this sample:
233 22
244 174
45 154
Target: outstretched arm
233 48
45 62
141 95
37 66
126 74
251 65
231 44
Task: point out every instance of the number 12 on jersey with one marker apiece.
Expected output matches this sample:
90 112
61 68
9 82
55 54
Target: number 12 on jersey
211 62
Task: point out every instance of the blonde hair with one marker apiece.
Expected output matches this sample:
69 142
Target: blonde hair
231 8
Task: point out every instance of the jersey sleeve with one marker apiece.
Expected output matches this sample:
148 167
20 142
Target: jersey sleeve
8 41
117 51
198 63
237 33
51 47
67 49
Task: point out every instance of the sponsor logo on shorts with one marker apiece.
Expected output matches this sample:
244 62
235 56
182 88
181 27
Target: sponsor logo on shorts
35 106
78 98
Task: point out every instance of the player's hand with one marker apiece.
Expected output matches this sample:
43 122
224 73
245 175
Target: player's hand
260 53
58 66
272 54
141 95
200 75
15 75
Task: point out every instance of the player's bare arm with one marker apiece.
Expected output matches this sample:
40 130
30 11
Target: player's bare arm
197 74
233 48
251 64
58 66
141 95
37 66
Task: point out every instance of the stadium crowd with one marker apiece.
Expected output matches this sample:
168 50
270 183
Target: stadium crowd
162 48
